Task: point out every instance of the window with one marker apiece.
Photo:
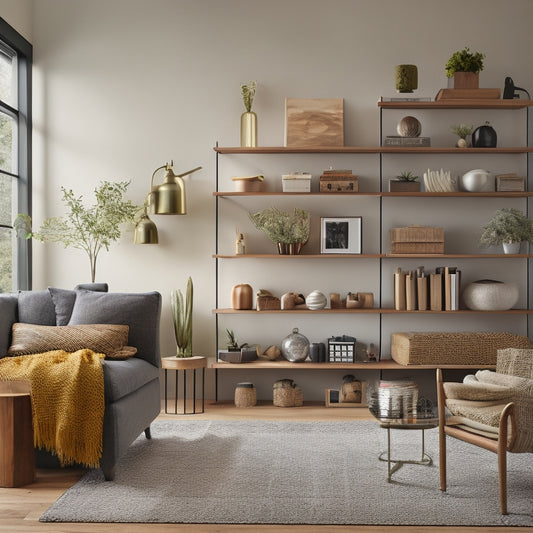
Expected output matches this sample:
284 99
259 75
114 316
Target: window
15 156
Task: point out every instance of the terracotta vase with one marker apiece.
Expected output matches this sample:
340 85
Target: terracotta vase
242 296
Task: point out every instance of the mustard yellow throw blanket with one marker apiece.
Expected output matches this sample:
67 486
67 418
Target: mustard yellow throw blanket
67 393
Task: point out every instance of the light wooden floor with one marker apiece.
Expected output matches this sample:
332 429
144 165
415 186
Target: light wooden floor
21 508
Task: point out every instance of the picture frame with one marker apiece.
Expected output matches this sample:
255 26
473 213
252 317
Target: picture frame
341 235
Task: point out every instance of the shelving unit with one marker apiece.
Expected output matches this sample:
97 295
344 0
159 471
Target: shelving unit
380 256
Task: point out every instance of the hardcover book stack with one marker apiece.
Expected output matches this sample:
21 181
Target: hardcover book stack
415 290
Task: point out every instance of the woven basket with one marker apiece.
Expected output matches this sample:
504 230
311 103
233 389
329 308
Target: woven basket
465 348
287 394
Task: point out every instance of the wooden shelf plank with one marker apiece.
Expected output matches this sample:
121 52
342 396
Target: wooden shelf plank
385 364
460 104
372 150
422 194
373 256
369 310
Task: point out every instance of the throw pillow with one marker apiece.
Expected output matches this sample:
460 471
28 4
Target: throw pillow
64 303
109 339
140 311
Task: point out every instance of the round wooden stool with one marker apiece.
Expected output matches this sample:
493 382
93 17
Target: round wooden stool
17 454
184 364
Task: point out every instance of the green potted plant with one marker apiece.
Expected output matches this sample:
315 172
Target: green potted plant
289 231
182 319
406 181
509 227
464 67
90 229
462 131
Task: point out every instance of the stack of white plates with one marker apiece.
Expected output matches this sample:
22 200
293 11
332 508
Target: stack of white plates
439 181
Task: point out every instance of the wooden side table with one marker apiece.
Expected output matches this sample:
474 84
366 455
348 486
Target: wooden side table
17 453
185 364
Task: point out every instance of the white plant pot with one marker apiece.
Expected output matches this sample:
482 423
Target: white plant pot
490 295
511 247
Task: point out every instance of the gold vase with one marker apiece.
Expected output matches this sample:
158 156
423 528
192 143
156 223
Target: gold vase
249 129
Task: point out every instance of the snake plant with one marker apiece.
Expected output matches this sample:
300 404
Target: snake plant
182 318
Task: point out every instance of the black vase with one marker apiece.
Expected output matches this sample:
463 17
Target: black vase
484 137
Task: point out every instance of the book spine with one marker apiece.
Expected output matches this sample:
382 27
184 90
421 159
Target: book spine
399 290
410 292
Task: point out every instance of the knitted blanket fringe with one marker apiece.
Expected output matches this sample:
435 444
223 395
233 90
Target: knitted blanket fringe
67 393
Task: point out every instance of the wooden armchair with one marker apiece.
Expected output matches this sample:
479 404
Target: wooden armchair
493 410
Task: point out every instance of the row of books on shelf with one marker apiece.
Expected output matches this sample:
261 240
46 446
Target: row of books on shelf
417 290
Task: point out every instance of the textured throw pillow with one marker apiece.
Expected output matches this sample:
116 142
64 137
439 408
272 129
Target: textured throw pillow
109 339
140 311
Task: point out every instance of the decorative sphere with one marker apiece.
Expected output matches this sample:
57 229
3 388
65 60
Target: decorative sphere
409 127
490 295
316 300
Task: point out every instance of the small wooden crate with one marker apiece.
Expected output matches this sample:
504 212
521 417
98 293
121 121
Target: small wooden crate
339 183
417 240
404 186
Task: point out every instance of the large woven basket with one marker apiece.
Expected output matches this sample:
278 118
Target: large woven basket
463 348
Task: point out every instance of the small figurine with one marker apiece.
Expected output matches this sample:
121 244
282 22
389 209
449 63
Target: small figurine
371 353
240 244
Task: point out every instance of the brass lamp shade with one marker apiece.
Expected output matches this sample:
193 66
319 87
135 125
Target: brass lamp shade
145 231
169 197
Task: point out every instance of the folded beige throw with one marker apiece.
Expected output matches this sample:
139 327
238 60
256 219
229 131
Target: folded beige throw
67 393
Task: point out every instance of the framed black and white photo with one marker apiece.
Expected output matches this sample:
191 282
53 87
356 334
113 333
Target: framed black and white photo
341 235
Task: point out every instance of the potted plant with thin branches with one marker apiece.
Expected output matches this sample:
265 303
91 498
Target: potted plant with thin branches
90 229
509 227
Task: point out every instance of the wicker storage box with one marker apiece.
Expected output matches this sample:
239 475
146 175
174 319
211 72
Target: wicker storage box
417 240
464 348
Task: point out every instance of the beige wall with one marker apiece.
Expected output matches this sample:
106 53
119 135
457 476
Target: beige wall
121 86
18 13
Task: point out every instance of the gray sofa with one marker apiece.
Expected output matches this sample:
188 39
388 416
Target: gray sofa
132 393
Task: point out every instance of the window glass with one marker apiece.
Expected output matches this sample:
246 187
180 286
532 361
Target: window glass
7 139
8 76
8 201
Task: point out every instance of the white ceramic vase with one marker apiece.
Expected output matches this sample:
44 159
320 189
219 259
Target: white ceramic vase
316 300
511 247
490 295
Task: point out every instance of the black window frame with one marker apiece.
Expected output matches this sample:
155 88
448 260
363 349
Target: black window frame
23 115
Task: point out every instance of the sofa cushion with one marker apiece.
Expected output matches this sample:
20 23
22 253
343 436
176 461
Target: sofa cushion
8 316
64 303
140 311
124 377
64 300
109 339
36 307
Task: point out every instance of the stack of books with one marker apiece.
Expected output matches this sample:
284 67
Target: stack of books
416 290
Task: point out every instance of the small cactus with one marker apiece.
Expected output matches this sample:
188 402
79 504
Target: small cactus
182 318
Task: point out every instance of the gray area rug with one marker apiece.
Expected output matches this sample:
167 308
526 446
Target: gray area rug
260 472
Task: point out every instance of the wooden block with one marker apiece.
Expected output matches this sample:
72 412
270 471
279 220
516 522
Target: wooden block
17 453
314 122
468 94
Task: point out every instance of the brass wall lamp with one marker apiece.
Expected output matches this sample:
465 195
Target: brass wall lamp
165 199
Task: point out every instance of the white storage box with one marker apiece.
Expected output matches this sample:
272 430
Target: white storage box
297 182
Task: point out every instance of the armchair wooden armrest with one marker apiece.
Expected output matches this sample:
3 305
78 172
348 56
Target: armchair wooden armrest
498 446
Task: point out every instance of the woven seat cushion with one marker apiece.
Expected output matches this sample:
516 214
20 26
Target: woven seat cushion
109 339
480 412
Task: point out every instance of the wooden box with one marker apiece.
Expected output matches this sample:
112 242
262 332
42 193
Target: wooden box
417 240
404 186
464 348
510 183
339 183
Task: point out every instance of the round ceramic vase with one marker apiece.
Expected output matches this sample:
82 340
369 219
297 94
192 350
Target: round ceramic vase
490 295
316 300
477 180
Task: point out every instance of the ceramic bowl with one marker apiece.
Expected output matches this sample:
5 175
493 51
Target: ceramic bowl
490 295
